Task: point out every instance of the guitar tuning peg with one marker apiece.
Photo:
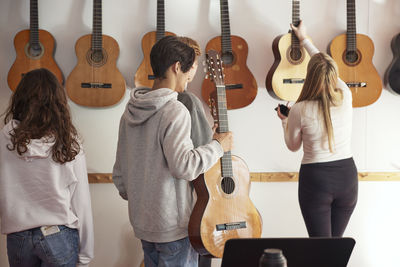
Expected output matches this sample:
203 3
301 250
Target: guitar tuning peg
203 63
205 69
206 76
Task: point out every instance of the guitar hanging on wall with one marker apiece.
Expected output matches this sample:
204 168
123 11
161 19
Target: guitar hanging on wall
393 73
240 83
286 77
223 209
96 81
144 75
353 54
34 49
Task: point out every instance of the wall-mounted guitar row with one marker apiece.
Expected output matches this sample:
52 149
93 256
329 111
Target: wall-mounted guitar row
96 81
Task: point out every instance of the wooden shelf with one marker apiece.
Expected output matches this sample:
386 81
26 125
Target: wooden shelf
99 178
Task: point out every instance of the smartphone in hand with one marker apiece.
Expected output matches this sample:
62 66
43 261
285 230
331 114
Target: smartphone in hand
283 109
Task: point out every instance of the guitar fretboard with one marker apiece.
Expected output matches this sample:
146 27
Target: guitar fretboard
295 22
160 33
351 40
97 40
222 117
226 42
34 24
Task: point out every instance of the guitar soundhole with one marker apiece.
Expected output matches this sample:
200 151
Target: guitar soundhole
34 51
96 57
227 58
352 58
295 55
228 185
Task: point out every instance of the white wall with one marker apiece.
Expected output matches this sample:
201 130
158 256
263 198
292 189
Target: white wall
258 134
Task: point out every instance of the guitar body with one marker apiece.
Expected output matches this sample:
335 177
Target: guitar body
285 68
24 62
393 73
89 72
144 70
362 71
214 207
235 73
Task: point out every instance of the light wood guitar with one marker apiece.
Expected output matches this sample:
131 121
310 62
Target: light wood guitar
96 81
240 83
144 75
223 209
34 49
353 54
286 77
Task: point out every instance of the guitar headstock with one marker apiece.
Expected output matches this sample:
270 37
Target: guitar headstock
214 67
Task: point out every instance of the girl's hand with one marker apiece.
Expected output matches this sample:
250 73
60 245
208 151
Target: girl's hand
300 31
280 115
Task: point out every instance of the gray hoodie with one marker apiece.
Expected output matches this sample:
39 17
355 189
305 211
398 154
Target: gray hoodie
155 162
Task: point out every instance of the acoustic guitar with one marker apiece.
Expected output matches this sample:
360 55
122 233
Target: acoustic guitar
393 73
223 209
286 77
144 75
353 54
34 49
96 81
240 83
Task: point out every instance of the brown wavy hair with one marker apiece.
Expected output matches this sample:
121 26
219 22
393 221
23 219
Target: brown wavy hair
40 105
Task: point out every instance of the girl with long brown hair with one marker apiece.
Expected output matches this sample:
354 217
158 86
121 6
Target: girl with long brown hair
321 120
45 207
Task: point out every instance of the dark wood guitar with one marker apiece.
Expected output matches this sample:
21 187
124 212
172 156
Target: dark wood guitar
353 54
286 77
96 81
34 49
144 75
240 83
223 209
393 73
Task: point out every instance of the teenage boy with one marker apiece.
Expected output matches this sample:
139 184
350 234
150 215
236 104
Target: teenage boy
156 160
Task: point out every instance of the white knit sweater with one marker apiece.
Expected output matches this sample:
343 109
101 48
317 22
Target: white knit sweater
304 126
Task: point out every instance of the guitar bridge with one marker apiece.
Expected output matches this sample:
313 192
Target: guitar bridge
151 77
356 84
96 85
233 86
231 226
293 80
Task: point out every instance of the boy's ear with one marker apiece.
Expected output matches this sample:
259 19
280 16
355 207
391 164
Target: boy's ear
176 67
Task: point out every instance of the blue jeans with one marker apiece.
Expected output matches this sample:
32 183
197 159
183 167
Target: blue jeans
177 253
31 249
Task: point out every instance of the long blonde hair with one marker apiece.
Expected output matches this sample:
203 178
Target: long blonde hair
320 86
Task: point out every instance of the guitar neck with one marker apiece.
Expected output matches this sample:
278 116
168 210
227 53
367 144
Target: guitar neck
222 118
34 24
160 33
226 42
351 41
97 39
295 22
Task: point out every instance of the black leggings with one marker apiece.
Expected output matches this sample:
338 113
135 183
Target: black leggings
327 196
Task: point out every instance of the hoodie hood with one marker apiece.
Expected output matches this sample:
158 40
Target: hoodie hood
144 103
37 148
